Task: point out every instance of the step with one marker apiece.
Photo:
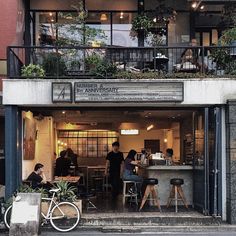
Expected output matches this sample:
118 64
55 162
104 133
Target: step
148 219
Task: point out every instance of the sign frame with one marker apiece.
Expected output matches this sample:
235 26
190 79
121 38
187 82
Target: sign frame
70 100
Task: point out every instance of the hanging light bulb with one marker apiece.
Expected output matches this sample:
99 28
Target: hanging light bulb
121 15
202 7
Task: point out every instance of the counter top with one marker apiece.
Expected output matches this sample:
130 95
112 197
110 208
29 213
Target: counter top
164 167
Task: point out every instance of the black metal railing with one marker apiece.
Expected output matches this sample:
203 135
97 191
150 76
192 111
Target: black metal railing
107 62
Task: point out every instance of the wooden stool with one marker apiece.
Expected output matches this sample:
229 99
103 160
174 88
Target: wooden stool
176 191
126 194
151 185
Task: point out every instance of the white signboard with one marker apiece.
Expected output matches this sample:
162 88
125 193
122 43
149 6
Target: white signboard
128 92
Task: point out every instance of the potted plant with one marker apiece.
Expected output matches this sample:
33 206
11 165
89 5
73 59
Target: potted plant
104 69
54 65
91 61
221 57
228 38
67 193
141 23
75 65
32 70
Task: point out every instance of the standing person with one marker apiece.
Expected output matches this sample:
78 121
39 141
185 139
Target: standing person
73 159
62 165
114 161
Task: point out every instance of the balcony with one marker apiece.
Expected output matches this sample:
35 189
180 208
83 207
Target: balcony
121 62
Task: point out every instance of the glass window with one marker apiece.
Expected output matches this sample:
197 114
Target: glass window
98 30
45 29
121 26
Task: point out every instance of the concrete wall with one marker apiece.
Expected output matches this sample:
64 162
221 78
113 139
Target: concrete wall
231 161
196 92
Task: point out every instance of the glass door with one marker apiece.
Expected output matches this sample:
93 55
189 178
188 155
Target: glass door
214 145
207 161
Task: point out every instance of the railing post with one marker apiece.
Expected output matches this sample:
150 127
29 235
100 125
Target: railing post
202 60
8 62
154 59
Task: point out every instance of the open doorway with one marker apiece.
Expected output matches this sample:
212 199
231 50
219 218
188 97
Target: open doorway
90 134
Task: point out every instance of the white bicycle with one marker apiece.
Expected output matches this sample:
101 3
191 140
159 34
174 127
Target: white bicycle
63 216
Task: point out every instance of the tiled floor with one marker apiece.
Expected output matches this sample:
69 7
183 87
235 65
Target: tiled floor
105 204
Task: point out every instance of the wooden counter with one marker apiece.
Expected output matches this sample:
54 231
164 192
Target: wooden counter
164 173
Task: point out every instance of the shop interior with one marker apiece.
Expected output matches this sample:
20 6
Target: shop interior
91 132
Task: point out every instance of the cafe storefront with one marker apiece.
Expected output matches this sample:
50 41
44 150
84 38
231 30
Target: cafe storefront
89 115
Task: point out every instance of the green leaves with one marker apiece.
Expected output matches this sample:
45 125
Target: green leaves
32 70
141 22
67 192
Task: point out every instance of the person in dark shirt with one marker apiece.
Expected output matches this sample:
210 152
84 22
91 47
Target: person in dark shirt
37 177
129 170
114 161
62 164
73 159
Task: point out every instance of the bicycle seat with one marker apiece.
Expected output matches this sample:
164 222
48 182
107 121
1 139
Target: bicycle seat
55 190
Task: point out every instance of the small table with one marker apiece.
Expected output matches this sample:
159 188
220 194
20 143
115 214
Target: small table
71 179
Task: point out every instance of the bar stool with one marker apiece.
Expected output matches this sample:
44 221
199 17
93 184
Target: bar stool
176 192
126 193
151 185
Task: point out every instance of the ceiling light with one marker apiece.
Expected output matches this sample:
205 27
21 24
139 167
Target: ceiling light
165 140
150 127
58 141
52 20
63 112
194 5
50 14
129 131
121 15
103 17
202 7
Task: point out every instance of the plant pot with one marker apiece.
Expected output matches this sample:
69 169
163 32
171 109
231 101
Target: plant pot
44 207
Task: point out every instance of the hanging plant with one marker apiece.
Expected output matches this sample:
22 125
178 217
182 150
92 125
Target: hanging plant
141 23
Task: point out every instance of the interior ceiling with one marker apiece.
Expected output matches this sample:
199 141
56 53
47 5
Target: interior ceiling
116 118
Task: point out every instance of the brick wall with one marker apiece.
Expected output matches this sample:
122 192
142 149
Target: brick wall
12 25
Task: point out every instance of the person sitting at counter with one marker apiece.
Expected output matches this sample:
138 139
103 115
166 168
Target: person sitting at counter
129 168
169 156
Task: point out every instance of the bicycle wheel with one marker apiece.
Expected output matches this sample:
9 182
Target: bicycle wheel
65 216
7 217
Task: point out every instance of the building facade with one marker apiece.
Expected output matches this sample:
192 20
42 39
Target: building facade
102 72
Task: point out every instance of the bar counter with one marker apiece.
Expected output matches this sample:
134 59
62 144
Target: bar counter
164 173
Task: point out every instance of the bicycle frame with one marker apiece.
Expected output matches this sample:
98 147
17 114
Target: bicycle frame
51 205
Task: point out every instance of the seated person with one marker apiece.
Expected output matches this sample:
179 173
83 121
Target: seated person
192 57
169 156
62 164
37 177
129 168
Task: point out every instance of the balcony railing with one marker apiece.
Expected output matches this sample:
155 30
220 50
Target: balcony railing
110 62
